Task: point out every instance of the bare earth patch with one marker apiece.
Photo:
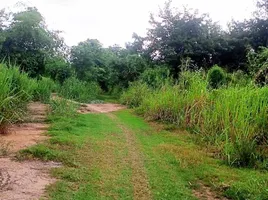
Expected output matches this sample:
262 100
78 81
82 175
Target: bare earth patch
100 108
25 180
205 193
27 134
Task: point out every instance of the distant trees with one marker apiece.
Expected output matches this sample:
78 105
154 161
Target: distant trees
175 40
177 35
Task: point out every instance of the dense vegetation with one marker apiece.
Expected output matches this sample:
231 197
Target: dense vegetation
187 70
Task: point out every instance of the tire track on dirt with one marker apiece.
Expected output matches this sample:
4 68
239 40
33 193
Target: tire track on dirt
141 188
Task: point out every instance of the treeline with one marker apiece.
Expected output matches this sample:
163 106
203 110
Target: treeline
175 40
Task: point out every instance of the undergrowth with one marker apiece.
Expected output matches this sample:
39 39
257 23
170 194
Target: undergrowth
233 118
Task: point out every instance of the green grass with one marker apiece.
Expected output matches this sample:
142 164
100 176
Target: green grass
92 150
234 119
108 98
95 161
75 89
176 165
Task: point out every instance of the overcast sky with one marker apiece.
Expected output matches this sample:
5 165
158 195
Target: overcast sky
114 21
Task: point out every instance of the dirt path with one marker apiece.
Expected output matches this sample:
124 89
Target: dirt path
139 178
25 180
100 108
27 134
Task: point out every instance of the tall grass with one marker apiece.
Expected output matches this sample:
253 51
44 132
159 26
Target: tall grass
233 118
43 89
16 91
135 94
81 91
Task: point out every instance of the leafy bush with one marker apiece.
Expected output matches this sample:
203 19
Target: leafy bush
134 96
261 78
216 77
78 90
58 69
157 77
257 60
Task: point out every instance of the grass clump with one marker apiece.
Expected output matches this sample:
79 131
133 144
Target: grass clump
44 88
135 95
16 91
233 118
81 91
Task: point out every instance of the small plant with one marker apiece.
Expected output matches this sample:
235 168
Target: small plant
216 77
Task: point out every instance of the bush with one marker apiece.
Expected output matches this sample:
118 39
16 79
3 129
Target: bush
58 69
78 90
216 77
261 78
156 77
134 96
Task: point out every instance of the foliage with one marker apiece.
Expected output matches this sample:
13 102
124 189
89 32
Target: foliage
216 77
43 90
81 91
27 42
233 118
261 77
58 69
16 91
134 96
87 57
156 77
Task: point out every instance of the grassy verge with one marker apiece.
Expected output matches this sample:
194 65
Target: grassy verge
96 163
176 165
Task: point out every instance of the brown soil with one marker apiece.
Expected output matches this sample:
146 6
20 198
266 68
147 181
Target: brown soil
27 134
205 193
99 108
25 180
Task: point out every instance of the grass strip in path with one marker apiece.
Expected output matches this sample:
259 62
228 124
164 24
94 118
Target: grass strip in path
139 176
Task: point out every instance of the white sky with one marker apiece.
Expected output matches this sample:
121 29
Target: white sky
114 21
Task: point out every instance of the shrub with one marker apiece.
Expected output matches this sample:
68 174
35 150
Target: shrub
238 78
261 78
156 77
58 69
216 77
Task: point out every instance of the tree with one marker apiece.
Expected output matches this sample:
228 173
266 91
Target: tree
28 42
176 35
